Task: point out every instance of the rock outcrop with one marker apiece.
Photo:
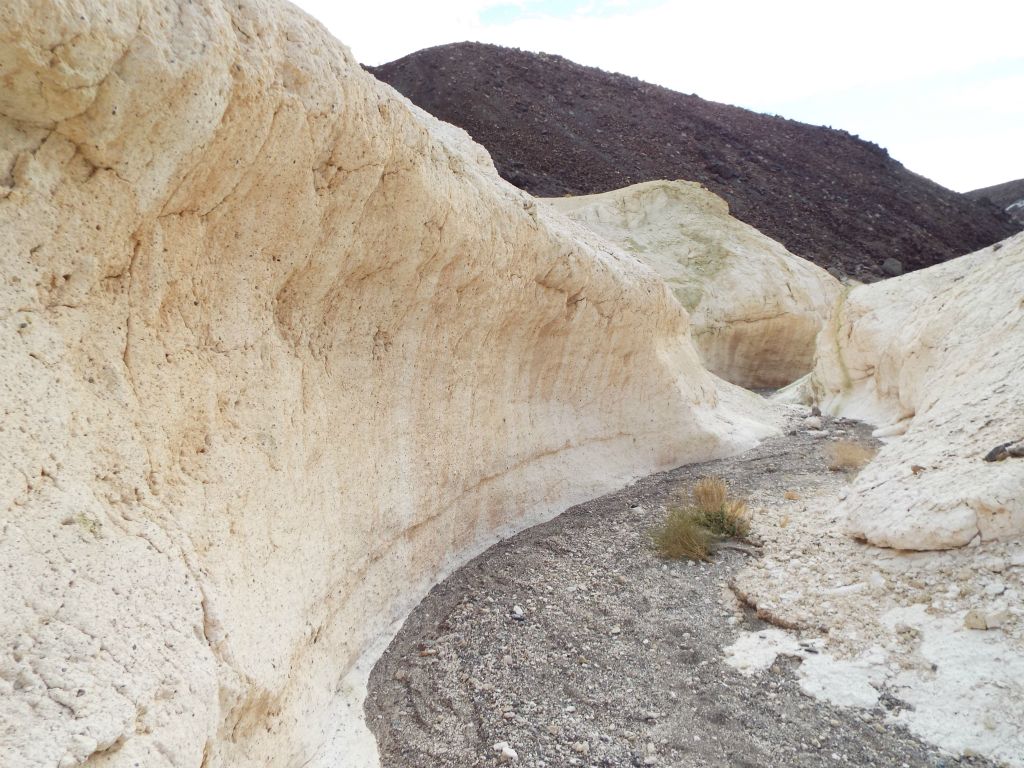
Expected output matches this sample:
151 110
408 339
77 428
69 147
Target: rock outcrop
1009 196
755 308
934 359
279 349
555 127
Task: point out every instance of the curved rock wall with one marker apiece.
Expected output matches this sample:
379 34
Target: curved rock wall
278 349
934 359
755 308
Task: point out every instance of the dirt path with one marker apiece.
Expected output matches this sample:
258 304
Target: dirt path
616 658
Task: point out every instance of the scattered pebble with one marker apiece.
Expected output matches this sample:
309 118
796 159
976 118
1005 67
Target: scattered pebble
505 752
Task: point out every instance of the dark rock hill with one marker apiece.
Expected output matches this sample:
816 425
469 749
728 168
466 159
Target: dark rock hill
1009 196
555 128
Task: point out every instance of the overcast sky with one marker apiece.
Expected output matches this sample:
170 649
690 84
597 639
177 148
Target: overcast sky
939 84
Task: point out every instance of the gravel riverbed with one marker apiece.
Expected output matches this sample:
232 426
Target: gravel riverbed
573 644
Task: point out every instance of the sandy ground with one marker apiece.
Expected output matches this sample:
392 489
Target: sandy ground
573 644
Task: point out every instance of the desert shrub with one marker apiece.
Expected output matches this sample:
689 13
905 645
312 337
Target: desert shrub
682 536
691 529
709 494
846 455
717 512
730 520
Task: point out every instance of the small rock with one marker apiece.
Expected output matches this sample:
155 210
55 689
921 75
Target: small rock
892 267
996 618
581 747
616 630
517 613
817 432
999 453
815 410
1016 450
986 620
812 422
505 752
975 619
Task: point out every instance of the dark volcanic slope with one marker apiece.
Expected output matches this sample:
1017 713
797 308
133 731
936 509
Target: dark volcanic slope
554 128
1009 196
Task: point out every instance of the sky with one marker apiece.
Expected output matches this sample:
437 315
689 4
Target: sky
939 84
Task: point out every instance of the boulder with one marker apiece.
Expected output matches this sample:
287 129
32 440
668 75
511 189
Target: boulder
755 308
934 358
279 351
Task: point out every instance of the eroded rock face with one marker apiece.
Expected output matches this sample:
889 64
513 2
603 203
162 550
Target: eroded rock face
935 358
278 350
755 308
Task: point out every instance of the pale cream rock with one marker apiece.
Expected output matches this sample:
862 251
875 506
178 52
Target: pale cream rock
935 360
975 619
755 308
279 350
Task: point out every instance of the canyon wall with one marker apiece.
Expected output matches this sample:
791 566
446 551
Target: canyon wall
755 308
934 359
279 349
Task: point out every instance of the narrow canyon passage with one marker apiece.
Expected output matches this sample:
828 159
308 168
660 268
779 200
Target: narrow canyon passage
573 644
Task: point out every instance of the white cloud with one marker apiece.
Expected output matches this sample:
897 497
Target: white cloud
801 55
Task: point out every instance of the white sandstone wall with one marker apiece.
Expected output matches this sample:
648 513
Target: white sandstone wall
278 349
755 308
935 359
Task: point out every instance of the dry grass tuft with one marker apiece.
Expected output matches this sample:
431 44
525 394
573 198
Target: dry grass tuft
792 496
710 494
731 519
682 536
690 530
846 455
